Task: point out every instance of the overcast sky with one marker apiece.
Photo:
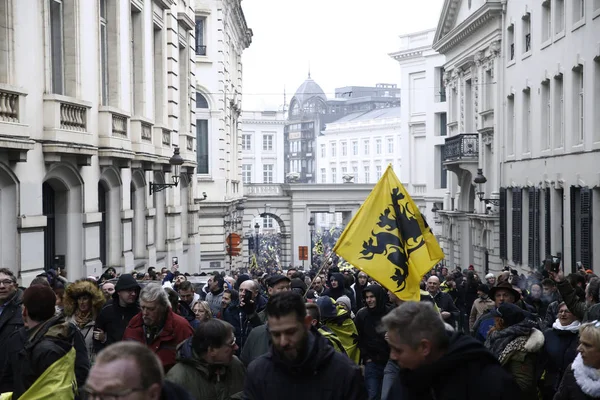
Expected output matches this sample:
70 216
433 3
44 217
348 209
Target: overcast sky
346 42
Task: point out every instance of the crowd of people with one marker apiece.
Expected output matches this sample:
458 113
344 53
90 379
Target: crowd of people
323 333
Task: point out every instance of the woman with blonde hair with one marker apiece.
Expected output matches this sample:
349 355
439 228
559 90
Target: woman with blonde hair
202 311
82 304
581 380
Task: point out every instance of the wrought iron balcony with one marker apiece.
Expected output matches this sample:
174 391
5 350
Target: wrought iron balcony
462 147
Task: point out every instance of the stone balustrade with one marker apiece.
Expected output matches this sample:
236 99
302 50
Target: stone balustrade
147 132
418 190
73 117
119 125
9 106
263 189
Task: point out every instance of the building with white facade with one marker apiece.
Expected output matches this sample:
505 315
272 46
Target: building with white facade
549 151
469 34
262 146
357 148
423 122
93 100
221 36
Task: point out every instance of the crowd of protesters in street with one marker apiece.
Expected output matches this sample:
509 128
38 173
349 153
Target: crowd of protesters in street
323 333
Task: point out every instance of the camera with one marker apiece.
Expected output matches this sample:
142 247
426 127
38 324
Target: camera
175 261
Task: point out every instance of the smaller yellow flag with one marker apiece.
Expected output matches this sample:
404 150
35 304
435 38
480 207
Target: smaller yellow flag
389 240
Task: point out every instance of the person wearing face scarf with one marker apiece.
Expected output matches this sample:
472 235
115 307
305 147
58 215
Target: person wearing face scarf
337 289
581 379
560 349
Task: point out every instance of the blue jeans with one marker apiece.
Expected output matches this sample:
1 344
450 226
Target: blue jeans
390 374
373 380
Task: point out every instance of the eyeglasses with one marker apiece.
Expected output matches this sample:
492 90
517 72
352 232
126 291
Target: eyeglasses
232 344
90 394
6 282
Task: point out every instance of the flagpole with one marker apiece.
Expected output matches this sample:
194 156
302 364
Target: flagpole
329 260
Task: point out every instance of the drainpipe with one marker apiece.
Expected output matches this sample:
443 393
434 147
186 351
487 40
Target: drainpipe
502 90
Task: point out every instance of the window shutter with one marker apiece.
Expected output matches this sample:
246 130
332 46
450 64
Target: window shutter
533 255
585 203
517 228
574 193
503 249
547 222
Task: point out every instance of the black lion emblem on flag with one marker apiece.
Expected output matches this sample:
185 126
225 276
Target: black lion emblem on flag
400 236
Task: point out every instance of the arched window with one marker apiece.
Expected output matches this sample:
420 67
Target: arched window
295 108
201 101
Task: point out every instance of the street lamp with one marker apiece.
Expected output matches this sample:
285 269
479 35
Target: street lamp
176 161
480 180
256 231
311 226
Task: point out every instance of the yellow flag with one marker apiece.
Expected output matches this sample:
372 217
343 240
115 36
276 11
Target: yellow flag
253 263
318 249
389 240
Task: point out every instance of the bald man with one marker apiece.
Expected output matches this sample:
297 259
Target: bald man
443 300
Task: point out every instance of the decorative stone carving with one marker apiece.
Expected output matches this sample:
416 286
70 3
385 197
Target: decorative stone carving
495 48
348 178
479 58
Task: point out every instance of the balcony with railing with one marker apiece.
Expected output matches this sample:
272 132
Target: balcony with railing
462 148
114 137
262 189
66 127
14 134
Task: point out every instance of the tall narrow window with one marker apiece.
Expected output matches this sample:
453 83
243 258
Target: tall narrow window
469 106
160 77
390 145
323 151
511 42
578 10
443 124
510 124
333 149
268 142
367 171
546 111
333 175
354 147
56 46
503 225
344 149
246 141
526 32
546 20
323 175
559 16
355 173
559 112
489 89
377 146
202 145
526 120
533 255
103 55
367 146
443 171
246 173
268 173
578 102
200 43
137 62
378 172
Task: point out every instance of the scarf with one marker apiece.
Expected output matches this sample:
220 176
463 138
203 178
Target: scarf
587 378
81 320
572 327
497 341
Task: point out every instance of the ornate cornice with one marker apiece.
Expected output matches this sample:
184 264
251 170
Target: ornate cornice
409 53
473 23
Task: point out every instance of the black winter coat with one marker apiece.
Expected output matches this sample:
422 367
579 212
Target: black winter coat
10 322
569 389
32 351
324 374
445 303
113 320
468 371
242 323
371 341
560 349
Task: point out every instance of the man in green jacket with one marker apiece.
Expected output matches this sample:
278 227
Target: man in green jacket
206 364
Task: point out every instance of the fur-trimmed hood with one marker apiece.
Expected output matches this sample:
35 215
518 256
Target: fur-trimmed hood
535 341
79 288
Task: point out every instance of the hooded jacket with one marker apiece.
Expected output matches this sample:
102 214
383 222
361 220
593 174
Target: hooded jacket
174 331
341 290
467 371
338 320
371 341
10 322
242 323
204 381
113 318
72 293
32 351
323 374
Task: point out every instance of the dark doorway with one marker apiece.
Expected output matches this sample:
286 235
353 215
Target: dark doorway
48 209
102 209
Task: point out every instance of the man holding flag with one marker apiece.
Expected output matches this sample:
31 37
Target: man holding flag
389 239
